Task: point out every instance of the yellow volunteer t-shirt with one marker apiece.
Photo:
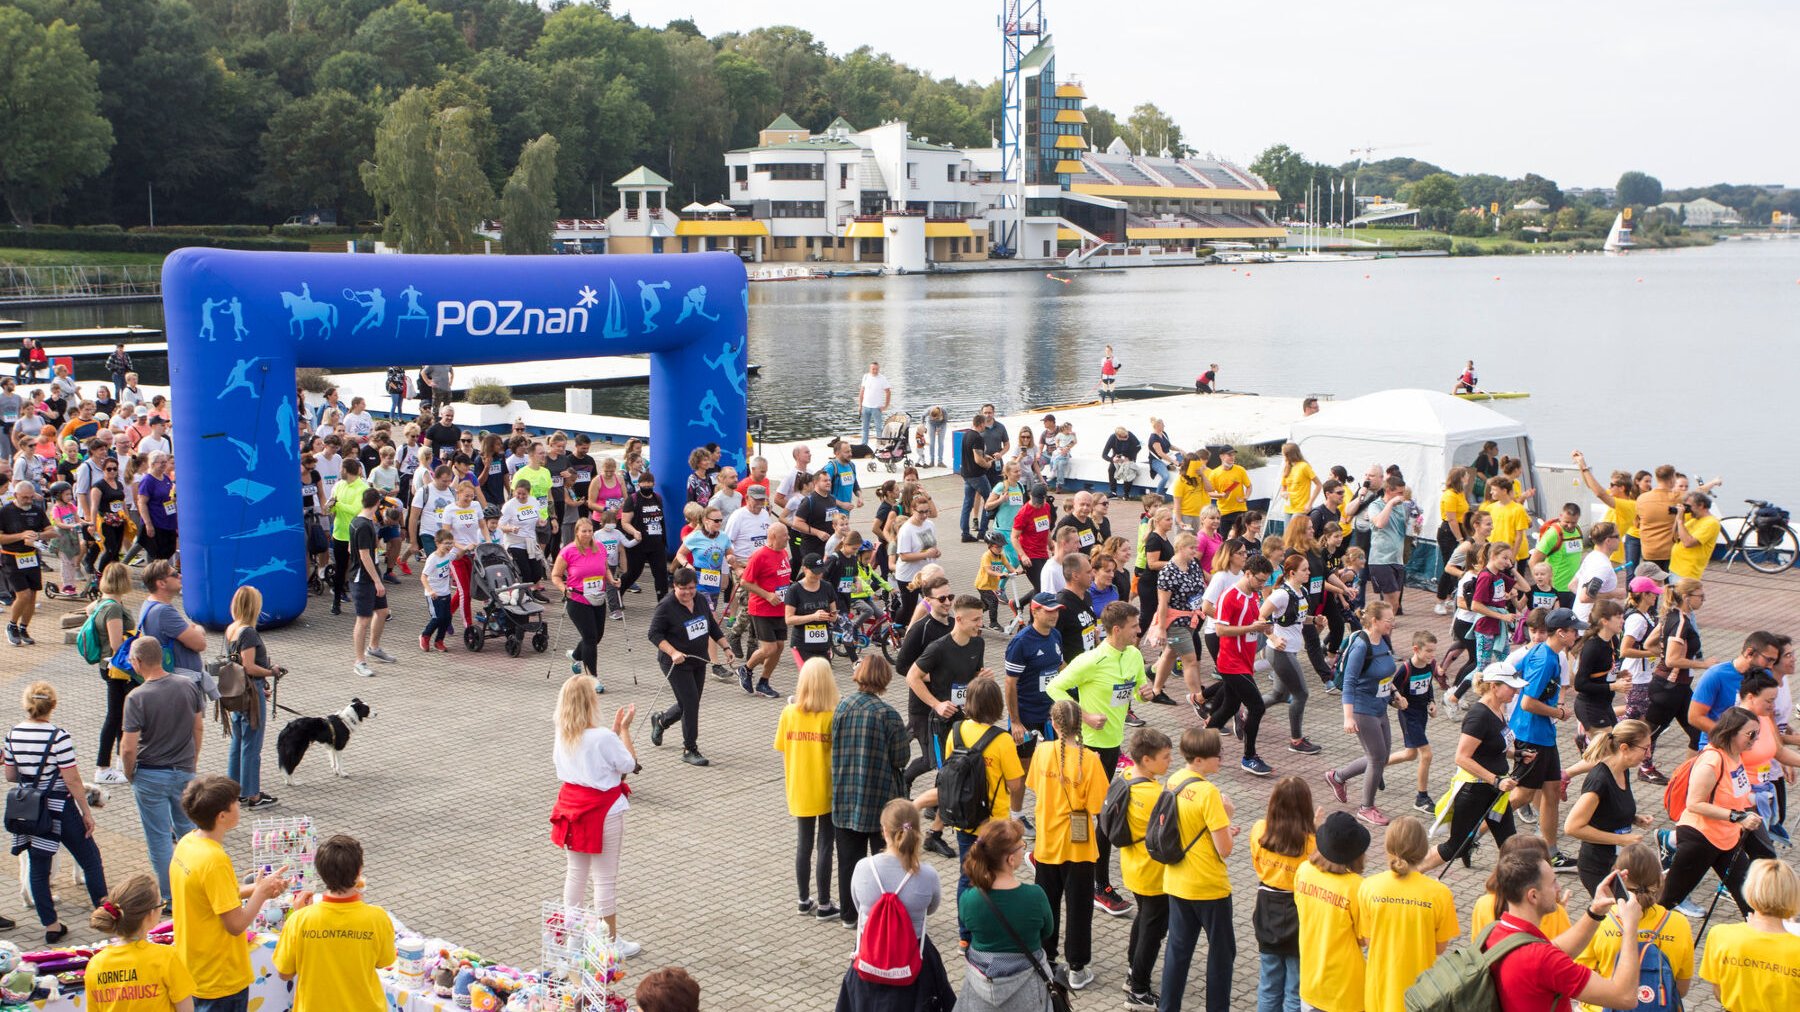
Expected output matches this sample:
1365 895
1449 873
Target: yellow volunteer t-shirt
136 977
989 571
1231 487
1510 521
1200 875
1298 486
1752 969
1690 563
1331 924
804 740
1623 515
1452 506
1079 784
1275 870
333 949
1675 939
1001 757
1405 919
1142 873
203 886
1553 923
1190 491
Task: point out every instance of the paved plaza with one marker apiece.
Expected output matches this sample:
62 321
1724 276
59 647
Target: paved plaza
451 784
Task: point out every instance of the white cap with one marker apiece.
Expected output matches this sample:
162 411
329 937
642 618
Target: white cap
1502 672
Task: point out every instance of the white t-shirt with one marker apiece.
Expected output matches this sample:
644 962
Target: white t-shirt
329 470
1052 581
913 538
1286 638
599 761
875 390
1465 590
747 530
430 500
1215 590
160 444
1638 626
794 478
464 523
359 424
437 572
525 516
1597 565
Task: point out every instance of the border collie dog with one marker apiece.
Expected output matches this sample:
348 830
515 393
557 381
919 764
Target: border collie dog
333 732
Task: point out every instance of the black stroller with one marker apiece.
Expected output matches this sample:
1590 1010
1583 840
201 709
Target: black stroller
508 608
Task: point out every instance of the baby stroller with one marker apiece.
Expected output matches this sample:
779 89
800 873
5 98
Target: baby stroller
509 609
890 446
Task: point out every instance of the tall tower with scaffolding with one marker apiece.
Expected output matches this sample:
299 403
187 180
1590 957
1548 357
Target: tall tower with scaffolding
1021 25
1041 122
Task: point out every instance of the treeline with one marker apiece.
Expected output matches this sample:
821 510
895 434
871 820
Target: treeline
256 110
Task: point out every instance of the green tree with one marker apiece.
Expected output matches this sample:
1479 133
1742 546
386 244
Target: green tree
426 178
1481 190
797 64
1154 131
1639 190
311 154
1103 126
1436 198
528 204
934 112
599 122
1287 171
1470 223
868 89
749 95
411 41
49 103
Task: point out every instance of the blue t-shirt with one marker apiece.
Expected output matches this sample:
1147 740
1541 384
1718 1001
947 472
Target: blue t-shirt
165 622
1717 690
1102 596
1368 675
1542 672
843 481
1034 659
709 559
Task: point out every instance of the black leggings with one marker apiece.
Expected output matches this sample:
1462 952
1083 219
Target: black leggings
686 680
340 558
1446 543
1669 703
590 625
1695 854
1467 810
1070 885
1109 761
1240 690
1034 568
852 846
1315 652
112 541
116 690
651 553
814 828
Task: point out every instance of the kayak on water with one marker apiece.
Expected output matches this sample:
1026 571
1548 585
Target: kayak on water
1497 395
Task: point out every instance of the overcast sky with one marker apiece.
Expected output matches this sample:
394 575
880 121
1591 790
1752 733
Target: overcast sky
1577 90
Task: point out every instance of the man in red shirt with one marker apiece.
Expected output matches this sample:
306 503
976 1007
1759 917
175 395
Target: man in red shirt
766 575
1239 624
1541 976
759 475
1031 535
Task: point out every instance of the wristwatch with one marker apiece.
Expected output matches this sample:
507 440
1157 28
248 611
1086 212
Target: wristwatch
1738 815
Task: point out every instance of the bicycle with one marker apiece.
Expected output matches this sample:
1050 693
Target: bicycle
854 633
1763 538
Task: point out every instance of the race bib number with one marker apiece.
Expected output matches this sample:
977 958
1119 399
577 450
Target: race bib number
9 416
758 540
831 515
1087 539
1740 782
653 527
593 588
709 578
846 584
116 507
1044 682
1121 693
997 568
696 628
847 480
1571 547
27 561
1015 498
1385 689
957 695
1090 632
528 515
1419 684
1315 586
1041 525
815 633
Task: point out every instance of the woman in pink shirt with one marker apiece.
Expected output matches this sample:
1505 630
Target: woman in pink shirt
581 575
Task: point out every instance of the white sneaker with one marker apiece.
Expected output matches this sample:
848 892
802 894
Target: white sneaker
108 775
362 668
379 654
628 949
1443 608
1081 978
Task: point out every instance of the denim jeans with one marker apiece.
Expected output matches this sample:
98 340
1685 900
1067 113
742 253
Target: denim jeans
244 761
975 493
871 419
935 434
158 797
1278 989
239 1002
1188 920
395 408
1162 473
86 854
963 842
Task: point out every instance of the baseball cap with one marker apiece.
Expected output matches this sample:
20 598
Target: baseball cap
1644 585
1504 673
1048 418
813 561
867 545
158 420
1046 601
1563 618
1651 571
757 492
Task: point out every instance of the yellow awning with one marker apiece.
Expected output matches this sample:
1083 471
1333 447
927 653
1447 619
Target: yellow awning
1069 166
1205 233
1070 141
1180 192
721 228
864 230
1071 116
948 230
1070 91
1067 235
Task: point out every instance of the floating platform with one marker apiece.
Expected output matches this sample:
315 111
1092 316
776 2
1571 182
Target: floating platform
126 335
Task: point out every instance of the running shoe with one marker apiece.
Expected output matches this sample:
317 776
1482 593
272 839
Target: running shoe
1132 719
1304 747
1338 789
693 758
1081 978
381 655
656 730
1423 803
1651 775
1443 608
425 643
1030 827
1665 847
1145 1000
1528 815
627 949
1162 699
936 843
1107 900
404 568
25 637
1256 767
109 775
389 577
1372 816
362 669
767 691
744 681
1331 689
262 801
439 646
1688 908
617 614
826 911
12 635
1563 863
1450 704
806 906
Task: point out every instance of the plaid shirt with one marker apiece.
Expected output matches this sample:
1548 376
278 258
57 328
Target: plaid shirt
869 749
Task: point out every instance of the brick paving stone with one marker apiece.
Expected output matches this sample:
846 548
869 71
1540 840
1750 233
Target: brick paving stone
450 785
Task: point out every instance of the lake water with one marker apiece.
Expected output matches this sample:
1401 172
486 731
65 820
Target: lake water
1675 356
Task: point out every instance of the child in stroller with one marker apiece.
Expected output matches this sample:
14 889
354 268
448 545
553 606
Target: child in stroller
508 609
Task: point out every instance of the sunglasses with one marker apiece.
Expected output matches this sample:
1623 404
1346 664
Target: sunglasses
943 598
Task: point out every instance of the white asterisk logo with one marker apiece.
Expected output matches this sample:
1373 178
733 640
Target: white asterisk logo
588 295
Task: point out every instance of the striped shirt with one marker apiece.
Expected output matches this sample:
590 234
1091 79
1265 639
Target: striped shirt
25 751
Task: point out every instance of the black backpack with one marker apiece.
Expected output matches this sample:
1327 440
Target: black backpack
396 380
1115 812
964 801
1162 837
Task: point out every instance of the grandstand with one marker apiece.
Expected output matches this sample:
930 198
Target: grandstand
1120 196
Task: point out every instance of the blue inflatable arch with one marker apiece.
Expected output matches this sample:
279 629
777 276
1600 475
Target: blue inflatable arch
240 323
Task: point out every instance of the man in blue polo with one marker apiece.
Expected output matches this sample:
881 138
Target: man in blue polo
1717 689
1033 658
1533 725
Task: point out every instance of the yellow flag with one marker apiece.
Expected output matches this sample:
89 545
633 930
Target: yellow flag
1627 214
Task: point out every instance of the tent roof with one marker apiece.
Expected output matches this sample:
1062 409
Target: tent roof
1408 416
694 207
719 207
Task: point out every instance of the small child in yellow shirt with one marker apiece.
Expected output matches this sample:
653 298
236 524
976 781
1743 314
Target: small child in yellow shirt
989 571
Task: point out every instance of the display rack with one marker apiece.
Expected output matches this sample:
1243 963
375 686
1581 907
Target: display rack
286 846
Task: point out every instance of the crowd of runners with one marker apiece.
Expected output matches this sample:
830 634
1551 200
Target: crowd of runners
1070 691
